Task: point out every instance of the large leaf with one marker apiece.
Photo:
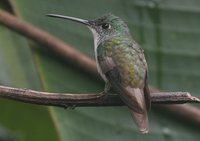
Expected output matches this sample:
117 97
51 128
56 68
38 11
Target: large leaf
25 121
5 135
168 31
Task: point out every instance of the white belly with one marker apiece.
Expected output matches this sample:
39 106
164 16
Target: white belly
96 40
99 68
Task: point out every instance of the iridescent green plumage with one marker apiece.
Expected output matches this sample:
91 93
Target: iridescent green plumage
121 64
129 60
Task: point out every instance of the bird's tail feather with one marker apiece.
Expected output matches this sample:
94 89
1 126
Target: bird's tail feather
141 119
135 100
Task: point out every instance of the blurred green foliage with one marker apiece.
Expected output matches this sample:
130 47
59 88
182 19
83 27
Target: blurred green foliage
5 135
168 30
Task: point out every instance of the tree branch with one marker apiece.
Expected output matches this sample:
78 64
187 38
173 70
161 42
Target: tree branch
74 100
188 112
67 52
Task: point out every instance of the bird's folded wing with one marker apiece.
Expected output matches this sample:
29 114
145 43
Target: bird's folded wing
112 73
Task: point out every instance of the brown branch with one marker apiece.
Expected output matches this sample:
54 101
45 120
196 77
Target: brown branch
42 37
188 112
77 100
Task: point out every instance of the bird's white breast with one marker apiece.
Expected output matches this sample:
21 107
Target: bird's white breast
96 43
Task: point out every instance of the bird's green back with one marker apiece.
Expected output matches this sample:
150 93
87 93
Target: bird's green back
128 57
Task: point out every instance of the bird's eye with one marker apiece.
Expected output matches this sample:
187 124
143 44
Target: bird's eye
105 26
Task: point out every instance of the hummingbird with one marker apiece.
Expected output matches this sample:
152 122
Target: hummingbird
121 64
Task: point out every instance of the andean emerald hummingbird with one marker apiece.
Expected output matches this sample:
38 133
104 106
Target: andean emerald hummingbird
121 64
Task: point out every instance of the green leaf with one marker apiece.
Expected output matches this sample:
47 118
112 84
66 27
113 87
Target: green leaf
168 31
25 121
5 135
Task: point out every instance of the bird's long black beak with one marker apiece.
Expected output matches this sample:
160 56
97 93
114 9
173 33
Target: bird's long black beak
85 22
